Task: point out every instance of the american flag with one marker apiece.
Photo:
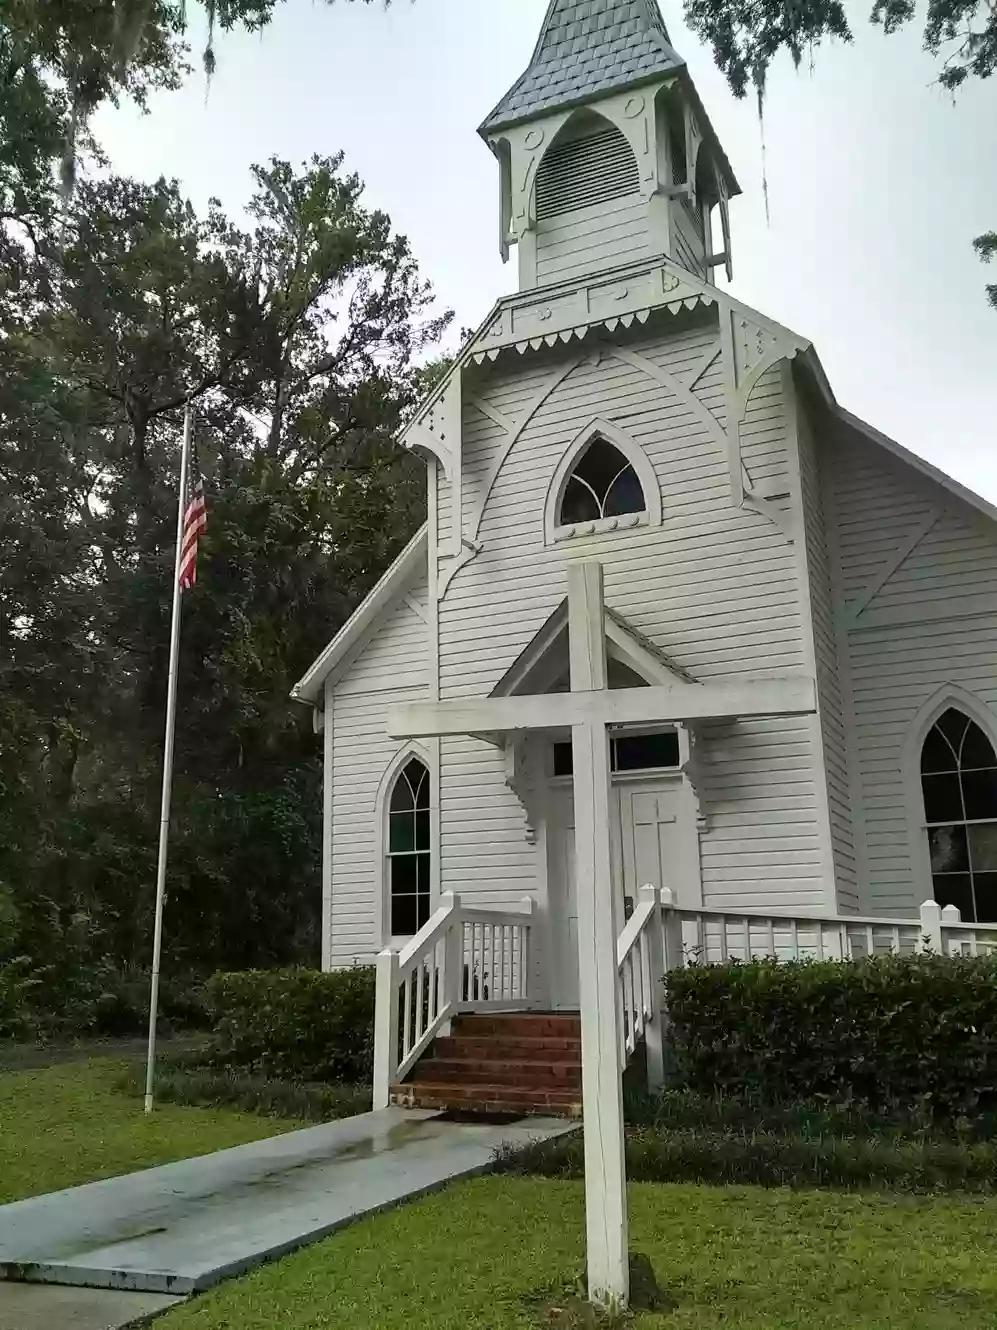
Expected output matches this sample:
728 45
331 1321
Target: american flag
195 523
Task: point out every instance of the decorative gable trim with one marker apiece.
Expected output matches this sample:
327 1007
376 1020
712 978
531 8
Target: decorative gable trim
624 643
630 646
599 427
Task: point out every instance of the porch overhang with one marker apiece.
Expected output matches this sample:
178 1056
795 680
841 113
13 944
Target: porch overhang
783 695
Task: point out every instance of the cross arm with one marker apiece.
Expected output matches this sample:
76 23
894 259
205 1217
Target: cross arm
785 695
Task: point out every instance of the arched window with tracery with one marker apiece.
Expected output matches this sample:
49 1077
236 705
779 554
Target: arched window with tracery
602 484
959 784
409 855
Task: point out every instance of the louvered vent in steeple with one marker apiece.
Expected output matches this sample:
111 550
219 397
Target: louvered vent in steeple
578 172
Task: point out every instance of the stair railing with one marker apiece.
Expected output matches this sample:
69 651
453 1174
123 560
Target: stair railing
640 956
461 960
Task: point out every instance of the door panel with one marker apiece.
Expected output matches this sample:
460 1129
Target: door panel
562 900
654 848
651 842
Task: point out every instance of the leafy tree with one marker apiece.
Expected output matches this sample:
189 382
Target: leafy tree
747 35
299 339
62 59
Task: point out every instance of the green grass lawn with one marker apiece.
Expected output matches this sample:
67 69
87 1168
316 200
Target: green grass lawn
68 1124
491 1254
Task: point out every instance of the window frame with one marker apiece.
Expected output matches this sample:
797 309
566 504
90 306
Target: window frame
958 770
679 769
383 856
960 699
554 532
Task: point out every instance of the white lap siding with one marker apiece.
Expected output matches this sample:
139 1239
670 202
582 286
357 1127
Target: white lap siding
932 622
391 669
591 239
716 586
830 689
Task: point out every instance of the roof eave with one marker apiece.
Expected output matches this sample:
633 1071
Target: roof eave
308 689
811 361
489 126
733 188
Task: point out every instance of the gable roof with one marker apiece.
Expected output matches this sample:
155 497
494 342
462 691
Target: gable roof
412 559
588 49
414 556
623 643
811 362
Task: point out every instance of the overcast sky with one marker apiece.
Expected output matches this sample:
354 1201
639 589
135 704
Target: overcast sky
877 184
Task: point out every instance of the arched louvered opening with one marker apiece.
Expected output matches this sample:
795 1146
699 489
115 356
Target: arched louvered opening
959 784
590 162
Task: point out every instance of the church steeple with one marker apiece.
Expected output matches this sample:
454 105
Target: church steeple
607 154
586 49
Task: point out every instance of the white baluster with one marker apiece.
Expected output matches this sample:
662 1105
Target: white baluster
407 1031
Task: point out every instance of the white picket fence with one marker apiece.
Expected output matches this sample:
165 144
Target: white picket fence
462 960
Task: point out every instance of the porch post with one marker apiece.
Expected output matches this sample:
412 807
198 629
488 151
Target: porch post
385 1026
602 1095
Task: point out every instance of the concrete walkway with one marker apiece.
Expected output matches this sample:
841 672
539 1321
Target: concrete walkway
56 1307
182 1227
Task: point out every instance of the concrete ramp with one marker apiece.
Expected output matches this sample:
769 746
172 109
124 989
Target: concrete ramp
183 1227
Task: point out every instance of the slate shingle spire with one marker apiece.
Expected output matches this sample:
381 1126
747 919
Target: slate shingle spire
588 49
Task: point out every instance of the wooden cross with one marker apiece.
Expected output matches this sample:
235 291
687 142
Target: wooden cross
589 709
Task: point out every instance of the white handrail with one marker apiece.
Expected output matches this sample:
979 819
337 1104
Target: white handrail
460 960
640 963
431 931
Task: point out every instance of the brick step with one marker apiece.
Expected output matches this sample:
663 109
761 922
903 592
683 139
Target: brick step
515 1026
506 1049
493 1071
487 1098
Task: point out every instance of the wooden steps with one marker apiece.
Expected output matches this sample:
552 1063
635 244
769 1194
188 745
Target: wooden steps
523 1063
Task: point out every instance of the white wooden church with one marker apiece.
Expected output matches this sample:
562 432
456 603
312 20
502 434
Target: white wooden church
677 620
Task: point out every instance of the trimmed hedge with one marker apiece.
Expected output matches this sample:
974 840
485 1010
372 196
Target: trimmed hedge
185 1082
293 1025
908 1034
765 1159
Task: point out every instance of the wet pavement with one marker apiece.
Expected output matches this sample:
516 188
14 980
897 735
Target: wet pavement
185 1226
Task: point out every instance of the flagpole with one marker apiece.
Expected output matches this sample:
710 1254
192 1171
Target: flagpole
171 717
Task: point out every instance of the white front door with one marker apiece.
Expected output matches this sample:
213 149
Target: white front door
654 836
651 844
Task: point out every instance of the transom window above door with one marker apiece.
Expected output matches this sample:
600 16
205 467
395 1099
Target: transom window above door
602 485
628 752
959 783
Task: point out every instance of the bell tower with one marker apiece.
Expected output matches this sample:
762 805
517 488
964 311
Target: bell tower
605 151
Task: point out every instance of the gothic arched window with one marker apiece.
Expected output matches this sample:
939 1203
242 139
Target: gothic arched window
602 484
959 783
409 857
